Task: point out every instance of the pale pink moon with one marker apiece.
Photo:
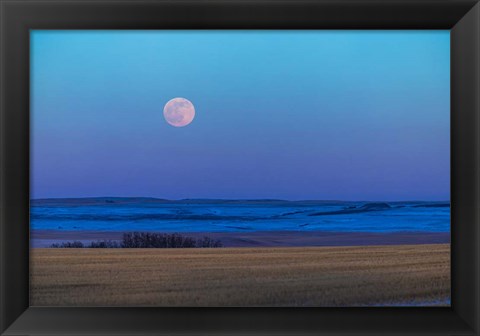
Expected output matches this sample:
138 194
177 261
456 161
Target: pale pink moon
179 112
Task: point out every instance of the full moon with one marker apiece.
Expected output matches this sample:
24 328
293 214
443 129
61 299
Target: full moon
179 112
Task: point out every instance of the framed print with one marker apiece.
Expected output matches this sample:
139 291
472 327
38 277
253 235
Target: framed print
255 183
308 167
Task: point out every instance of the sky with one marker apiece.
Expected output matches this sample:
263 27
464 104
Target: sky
297 115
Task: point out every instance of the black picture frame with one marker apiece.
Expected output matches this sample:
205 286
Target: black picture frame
17 17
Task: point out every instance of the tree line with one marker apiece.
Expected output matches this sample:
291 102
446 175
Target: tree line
146 240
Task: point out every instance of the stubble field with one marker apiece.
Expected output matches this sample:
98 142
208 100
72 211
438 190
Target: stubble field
306 276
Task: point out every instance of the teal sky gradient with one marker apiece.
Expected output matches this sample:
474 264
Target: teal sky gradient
348 115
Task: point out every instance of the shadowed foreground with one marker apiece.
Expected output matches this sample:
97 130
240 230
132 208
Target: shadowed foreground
308 276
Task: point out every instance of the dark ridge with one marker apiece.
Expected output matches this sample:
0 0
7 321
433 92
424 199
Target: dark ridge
215 200
434 205
126 200
291 213
238 227
95 201
378 206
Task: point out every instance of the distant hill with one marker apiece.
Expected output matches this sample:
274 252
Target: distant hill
351 206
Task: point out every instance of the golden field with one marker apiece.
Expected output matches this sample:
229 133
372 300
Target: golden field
290 276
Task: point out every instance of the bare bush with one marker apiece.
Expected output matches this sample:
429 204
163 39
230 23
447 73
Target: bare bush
104 244
74 244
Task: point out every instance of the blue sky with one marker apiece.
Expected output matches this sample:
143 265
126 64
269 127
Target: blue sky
348 115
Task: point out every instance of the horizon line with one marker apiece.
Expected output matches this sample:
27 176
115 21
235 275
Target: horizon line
229 199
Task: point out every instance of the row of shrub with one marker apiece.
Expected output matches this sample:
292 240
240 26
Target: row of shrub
146 240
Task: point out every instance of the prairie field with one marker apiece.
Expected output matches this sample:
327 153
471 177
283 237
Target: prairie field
288 276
